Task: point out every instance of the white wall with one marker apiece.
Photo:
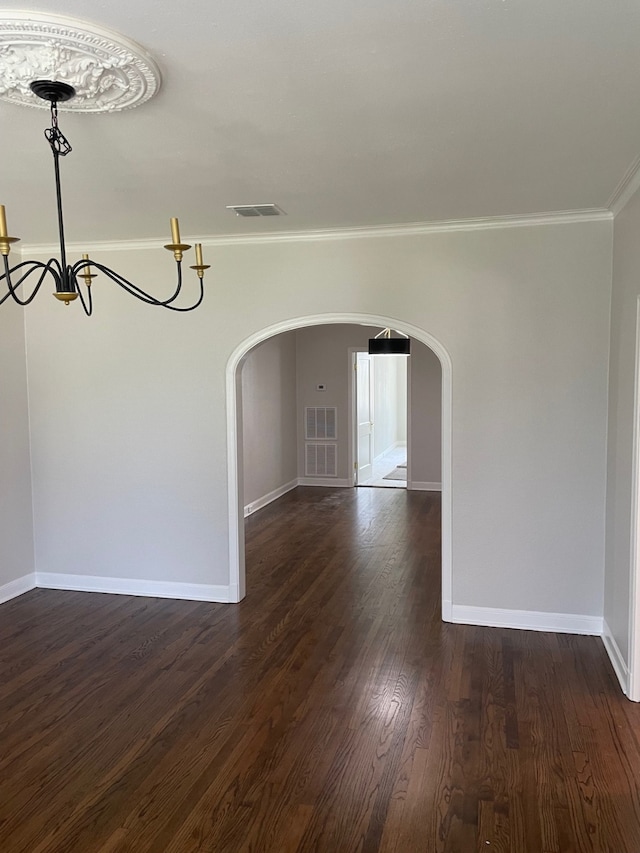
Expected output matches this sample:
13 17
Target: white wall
128 409
323 359
269 417
625 293
16 519
426 415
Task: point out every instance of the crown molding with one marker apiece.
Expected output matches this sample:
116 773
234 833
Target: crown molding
629 184
566 217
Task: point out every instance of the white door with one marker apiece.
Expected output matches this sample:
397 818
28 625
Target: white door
364 416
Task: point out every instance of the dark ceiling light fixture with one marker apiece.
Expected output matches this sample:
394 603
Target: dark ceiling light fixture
66 277
384 344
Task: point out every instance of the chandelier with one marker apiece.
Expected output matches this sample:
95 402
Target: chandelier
384 344
73 281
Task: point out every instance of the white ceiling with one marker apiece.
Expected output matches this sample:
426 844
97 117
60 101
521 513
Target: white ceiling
343 112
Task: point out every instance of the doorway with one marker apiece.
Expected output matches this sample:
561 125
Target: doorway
379 404
235 469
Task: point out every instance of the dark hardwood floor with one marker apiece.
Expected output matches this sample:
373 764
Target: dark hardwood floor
329 712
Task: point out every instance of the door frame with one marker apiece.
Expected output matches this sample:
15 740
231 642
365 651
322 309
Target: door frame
352 412
633 679
352 418
237 580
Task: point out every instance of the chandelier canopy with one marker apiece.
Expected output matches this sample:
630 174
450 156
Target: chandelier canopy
73 281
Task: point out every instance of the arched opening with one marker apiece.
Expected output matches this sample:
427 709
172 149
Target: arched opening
237 586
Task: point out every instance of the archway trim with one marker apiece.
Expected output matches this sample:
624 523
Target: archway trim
234 457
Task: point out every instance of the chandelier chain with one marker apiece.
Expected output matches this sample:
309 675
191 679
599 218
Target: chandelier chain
59 143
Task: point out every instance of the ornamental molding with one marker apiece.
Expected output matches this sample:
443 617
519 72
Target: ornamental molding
108 71
414 229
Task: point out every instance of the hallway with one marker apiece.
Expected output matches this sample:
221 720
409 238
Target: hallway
329 712
383 469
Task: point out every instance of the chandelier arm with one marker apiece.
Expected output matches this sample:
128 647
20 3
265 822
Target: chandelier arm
134 290
147 297
120 280
34 265
127 285
165 303
184 309
72 278
142 295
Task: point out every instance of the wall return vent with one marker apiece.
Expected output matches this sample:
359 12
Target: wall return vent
320 422
320 460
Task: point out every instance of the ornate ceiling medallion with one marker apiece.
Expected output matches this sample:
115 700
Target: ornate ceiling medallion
108 71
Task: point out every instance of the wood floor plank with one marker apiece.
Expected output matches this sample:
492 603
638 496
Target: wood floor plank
329 712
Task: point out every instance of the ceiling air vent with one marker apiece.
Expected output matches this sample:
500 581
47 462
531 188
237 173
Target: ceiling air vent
256 209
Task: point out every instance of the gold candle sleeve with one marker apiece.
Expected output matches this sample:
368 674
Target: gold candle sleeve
3 222
199 254
175 231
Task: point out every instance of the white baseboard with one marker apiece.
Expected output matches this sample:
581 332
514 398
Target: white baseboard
234 594
527 620
446 610
332 482
616 657
417 486
254 506
126 586
335 482
17 587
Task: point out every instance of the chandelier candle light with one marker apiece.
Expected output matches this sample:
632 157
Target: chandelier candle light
66 277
